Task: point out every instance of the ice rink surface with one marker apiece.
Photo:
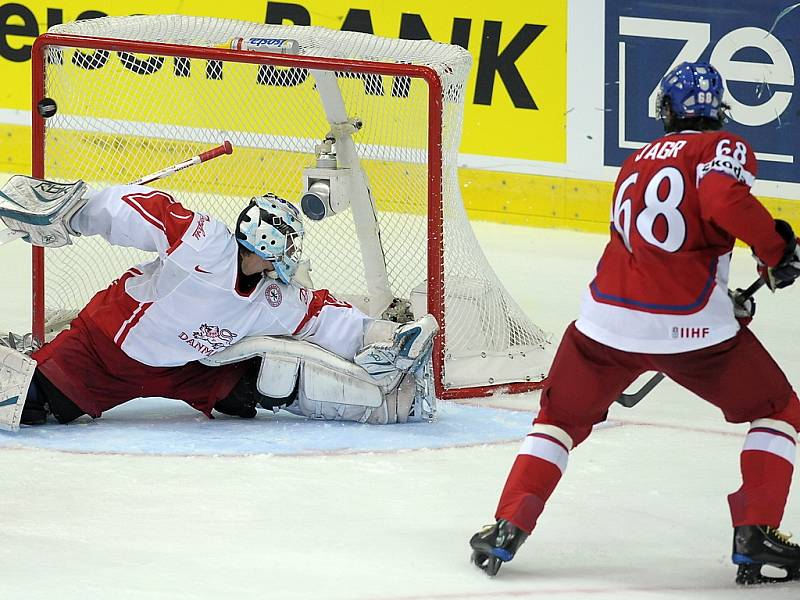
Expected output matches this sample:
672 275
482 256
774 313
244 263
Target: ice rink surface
155 502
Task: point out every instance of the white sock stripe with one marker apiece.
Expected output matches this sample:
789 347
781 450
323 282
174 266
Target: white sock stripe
554 432
772 443
545 449
777 425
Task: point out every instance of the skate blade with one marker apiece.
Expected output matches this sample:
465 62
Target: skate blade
486 563
751 574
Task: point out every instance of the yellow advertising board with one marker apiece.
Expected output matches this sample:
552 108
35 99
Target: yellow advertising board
517 87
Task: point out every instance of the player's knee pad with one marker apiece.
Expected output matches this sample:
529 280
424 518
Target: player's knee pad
786 420
556 433
575 433
548 443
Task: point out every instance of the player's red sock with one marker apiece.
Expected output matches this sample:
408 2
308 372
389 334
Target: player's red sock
533 477
767 464
527 488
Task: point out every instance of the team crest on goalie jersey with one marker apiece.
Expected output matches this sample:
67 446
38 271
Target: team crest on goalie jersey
215 336
274 295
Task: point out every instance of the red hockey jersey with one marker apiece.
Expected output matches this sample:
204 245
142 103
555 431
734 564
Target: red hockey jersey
679 204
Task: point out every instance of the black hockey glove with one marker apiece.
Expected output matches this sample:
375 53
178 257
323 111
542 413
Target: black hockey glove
788 269
237 405
242 400
743 308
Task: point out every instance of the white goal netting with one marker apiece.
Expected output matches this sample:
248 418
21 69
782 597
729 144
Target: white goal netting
126 110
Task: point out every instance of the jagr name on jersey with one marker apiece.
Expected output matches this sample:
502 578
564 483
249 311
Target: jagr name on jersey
660 150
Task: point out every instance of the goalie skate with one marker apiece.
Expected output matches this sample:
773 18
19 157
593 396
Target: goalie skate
755 546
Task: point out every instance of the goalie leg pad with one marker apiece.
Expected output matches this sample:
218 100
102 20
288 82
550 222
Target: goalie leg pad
41 209
396 406
16 371
318 375
327 386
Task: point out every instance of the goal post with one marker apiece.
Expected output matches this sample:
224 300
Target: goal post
134 94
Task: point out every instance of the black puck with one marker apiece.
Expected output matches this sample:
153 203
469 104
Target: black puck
47 107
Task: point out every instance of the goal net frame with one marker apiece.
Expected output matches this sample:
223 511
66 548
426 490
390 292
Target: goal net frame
435 217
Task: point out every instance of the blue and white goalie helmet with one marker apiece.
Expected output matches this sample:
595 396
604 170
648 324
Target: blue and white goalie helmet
694 89
271 227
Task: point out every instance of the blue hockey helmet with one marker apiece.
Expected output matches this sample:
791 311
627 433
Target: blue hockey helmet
694 89
271 227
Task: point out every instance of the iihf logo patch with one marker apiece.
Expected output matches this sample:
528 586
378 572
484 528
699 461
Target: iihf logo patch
273 295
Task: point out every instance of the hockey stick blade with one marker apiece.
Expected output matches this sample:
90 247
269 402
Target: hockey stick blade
631 400
9 235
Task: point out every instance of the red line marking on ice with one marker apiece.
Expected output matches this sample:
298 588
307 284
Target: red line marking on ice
539 592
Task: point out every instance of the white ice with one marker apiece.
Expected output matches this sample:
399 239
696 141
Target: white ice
640 514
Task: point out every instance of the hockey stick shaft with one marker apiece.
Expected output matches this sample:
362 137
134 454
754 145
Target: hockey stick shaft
631 400
9 235
224 148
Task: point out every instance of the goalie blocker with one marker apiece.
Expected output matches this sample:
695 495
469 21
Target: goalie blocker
389 380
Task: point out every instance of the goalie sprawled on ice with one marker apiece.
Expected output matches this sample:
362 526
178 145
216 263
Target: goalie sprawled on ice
217 319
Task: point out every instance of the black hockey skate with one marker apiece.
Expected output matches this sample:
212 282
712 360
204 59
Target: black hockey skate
495 544
755 546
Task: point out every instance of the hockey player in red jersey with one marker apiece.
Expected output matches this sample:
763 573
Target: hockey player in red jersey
206 290
660 302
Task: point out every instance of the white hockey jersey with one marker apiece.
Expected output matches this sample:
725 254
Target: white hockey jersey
187 303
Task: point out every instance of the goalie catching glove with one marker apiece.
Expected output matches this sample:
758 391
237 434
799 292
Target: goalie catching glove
411 344
41 209
788 269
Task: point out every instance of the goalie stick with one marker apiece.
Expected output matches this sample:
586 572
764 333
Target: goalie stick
631 400
9 235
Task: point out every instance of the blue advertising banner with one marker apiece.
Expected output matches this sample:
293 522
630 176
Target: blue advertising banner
755 45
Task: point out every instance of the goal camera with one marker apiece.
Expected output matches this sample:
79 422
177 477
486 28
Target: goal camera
325 186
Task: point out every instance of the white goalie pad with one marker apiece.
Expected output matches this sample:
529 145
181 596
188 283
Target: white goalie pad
324 376
41 209
16 371
326 386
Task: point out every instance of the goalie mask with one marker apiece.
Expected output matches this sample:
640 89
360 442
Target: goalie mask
271 227
692 89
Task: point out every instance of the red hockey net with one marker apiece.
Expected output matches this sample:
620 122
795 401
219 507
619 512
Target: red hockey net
135 94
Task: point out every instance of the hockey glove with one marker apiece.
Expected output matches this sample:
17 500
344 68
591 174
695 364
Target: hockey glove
242 400
410 345
41 209
743 308
788 269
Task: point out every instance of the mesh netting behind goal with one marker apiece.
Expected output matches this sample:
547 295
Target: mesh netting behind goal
135 94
